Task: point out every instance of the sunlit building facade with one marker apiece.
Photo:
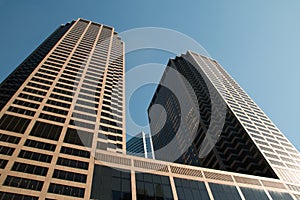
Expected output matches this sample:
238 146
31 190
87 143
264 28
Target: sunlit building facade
61 105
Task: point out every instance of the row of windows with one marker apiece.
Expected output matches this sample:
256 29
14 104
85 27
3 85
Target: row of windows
109 129
30 169
72 163
40 145
77 123
105 121
25 103
14 196
55 110
70 176
52 118
13 123
66 190
23 183
45 130
35 156
9 138
75 152
21 111
78 137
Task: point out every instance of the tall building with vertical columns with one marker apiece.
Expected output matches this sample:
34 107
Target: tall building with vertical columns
58 107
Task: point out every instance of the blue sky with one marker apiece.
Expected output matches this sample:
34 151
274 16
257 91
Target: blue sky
257 42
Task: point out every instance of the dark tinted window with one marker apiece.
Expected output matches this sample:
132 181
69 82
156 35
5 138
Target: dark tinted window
44 130
23 183
70 176
40 145
9 138
13 196
35 156
254 194
190 189
280 195
30 169
66 190
79 137
151 186
72 163
13 123
224 192
118 183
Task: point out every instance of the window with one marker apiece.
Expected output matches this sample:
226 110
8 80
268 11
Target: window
225 192
9 138
13 196
44 130
21 111
190 189
26 104
72 163
118 183
75 152
254 194
66 190
30 169
81 124
150 186
280 195
56 96
30 97
23 183
70 176
59 104
6 150
52 118
55 110
33 91
13 123
78 137
40 145
35 156
3 163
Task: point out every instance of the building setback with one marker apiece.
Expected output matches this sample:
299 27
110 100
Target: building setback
244 140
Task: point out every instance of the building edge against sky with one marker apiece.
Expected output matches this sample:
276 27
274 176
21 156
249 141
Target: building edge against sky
51 148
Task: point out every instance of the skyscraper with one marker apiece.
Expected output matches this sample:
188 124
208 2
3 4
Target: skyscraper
60 106
238 137
140 145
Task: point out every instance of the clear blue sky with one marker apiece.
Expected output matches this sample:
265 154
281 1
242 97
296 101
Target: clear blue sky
257 42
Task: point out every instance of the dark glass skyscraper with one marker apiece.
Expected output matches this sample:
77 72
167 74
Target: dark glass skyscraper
243 140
